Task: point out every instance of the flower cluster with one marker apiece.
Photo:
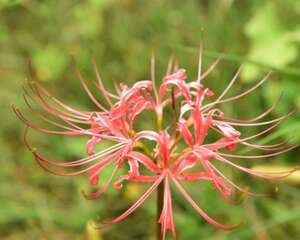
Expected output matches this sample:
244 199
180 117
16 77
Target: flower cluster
182 151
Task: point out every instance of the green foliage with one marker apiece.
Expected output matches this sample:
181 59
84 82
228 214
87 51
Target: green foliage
270 40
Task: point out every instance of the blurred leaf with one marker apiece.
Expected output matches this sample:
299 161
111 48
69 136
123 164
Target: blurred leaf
50 62
89 18
10 3
269 42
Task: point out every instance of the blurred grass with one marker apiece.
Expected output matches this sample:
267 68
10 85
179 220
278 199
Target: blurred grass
262 35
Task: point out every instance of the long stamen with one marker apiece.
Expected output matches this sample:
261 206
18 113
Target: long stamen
111 95
152 65
273 147
70 133
246 138
211 67
258 123
100 83
236 186
199 210
260 116
200 61
37 88
170 65
86 88
139 202
43 117
98 193
79 162
52 111
210 105
260 156
227 88
31 125
269 175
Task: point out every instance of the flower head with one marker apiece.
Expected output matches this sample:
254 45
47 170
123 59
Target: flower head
192 121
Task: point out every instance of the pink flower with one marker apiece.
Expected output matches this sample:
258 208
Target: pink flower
166 164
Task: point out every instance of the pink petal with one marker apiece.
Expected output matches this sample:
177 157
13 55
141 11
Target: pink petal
221 143
186 134
166 217
150 135
179 74
98 167
226 129
164 147
194 176
143 159
91 145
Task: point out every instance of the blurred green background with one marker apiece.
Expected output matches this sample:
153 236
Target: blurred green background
261 35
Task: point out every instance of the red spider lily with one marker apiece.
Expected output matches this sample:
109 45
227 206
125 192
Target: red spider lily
166 172
166 163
